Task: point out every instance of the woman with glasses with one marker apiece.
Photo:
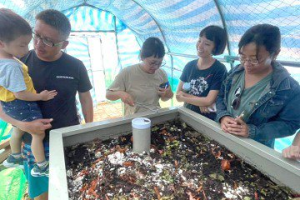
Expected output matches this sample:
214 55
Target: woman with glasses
140 86
259 99
201 79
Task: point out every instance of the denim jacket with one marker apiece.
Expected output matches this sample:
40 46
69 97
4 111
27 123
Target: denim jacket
276 114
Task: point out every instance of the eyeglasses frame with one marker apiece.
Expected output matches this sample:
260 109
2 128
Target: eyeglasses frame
36 36
163 63
252 61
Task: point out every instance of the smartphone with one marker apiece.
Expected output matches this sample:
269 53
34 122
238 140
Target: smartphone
164 85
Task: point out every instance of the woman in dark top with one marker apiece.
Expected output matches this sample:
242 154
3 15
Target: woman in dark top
201 79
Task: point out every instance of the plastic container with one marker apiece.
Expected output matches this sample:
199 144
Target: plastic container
141 131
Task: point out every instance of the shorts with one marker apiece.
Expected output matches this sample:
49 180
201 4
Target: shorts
36 185
22 110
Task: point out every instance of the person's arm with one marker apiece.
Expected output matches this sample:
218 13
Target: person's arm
165 94
185 77
15 83
29 96
114 95
164 90
199 101
124 96
117 90
34 127
285 123
87 106
293 151
221 105
179 92
179 87
216 83
296 141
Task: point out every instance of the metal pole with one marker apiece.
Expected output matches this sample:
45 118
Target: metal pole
194 56
157 24
117 42
230 59
283 62
225 27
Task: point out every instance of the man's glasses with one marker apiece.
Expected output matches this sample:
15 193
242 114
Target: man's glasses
237 98
46 41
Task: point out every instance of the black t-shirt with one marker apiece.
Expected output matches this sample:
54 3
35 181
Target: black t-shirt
67 75
202 81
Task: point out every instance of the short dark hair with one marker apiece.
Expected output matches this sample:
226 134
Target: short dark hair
262 35
152 47
12 25
217 35
57 20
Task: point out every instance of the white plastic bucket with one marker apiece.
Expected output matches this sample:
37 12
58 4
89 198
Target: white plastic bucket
141 131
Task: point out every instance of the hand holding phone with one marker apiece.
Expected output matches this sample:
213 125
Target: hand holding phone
164 85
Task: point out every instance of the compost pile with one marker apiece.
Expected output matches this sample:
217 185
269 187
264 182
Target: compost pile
182 164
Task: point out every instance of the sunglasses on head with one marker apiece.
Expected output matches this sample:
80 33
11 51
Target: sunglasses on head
237 98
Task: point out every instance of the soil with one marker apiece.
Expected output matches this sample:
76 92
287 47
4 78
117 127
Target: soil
182 164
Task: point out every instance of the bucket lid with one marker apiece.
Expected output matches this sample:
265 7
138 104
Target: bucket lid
141 123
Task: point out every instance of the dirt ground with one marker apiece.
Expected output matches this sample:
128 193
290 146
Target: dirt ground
107 110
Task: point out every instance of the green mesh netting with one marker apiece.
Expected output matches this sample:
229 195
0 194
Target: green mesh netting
4 130
12 181
12 184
